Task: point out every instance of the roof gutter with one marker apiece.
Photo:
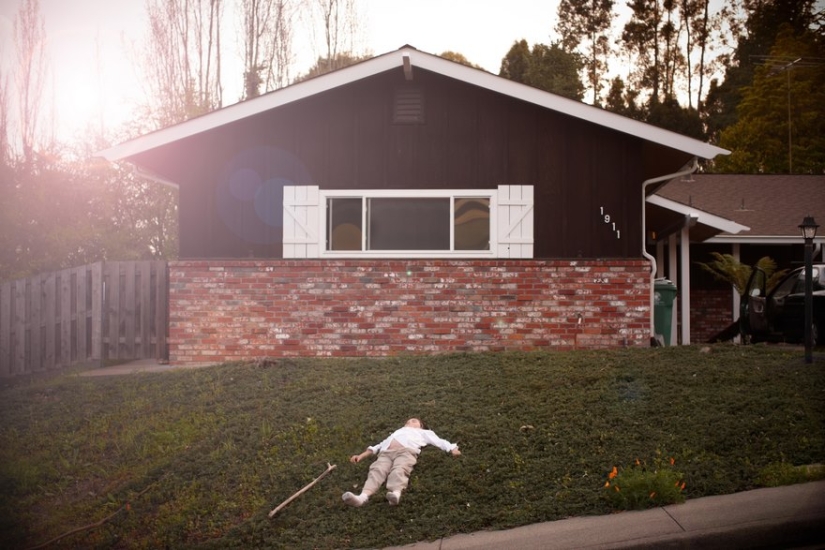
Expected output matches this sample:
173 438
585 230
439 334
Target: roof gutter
144 173
691 168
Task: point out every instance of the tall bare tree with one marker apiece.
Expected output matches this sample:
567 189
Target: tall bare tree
183 59
5 151
267 41
338 20
30 42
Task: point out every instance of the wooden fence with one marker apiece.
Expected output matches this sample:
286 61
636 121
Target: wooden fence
95 314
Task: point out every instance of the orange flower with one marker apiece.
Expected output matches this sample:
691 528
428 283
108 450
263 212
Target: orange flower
638 463
617 488
613 473
682 488
653 494
607 484
672 461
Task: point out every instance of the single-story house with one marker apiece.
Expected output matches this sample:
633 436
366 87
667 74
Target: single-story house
410 204
745 215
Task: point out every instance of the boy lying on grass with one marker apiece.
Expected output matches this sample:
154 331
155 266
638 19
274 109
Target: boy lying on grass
397 456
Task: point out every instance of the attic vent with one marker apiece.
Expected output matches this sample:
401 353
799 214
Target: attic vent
408 106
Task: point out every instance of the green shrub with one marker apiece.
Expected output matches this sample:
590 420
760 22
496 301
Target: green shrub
639 486
777 474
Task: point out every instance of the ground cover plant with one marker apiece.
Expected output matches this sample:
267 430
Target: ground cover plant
198 458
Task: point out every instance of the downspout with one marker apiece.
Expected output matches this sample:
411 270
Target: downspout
691 168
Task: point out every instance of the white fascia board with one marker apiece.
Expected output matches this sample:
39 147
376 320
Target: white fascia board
430 62
251 107
566 106
705 218
760 239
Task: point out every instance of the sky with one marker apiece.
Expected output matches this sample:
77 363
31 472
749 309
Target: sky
93 45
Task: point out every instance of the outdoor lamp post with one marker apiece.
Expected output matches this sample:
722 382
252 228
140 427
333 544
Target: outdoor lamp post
808 227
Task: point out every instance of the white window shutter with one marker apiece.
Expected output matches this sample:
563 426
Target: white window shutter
514 206
301 211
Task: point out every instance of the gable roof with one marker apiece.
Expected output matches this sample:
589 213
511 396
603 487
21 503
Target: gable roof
771 206
408 59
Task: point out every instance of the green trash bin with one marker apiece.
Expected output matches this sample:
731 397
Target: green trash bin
664 293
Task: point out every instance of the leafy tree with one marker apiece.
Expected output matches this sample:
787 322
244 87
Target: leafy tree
65 213
670 115
548 68
755 34
622 101
781 118
325 65
459 58
584 25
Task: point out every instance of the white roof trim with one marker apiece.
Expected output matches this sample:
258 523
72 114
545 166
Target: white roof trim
426 61
760 239
705 218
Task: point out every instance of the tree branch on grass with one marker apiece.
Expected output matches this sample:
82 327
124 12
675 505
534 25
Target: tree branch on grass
330 467
91 525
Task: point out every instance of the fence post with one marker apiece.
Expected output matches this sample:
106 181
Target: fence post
5 330
19 339
36 321
65 318
81 309
162 311
97 313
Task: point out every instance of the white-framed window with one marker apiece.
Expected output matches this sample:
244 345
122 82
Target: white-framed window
392 223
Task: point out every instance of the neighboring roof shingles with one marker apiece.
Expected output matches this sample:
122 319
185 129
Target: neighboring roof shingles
771 205
426 61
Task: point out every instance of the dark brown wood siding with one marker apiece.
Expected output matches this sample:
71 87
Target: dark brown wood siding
469 138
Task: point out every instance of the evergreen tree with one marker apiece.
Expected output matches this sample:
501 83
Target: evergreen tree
584 25
780 124
548 68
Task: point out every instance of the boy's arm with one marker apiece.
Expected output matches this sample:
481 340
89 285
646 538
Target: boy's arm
362 456
443 444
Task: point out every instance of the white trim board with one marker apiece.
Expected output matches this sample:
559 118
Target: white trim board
397 60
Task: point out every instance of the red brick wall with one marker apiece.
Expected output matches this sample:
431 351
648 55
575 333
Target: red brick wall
225 310
710 312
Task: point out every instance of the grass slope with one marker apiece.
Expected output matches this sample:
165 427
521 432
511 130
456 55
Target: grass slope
201 456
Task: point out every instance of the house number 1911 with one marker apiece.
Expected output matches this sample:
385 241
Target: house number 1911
611 223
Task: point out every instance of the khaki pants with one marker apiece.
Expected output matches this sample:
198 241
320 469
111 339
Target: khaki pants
394 467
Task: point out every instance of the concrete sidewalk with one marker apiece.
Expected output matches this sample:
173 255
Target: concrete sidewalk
781 517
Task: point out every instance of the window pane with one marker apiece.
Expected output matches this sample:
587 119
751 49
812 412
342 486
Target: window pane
344 227
409 224
472 224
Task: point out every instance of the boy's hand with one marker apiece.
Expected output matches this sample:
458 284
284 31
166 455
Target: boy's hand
358 458
455 452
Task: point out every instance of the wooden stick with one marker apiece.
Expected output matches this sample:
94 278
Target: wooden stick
283 505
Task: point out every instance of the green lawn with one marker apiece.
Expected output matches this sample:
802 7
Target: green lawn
201 456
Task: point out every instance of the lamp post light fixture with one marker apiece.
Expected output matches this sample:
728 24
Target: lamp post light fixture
808 228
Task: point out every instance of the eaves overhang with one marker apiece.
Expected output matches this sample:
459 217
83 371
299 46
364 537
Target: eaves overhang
761 239
404 59
719 223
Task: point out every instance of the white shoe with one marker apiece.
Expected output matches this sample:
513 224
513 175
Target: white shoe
393 497
355 500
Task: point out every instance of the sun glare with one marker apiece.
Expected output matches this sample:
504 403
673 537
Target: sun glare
91 84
